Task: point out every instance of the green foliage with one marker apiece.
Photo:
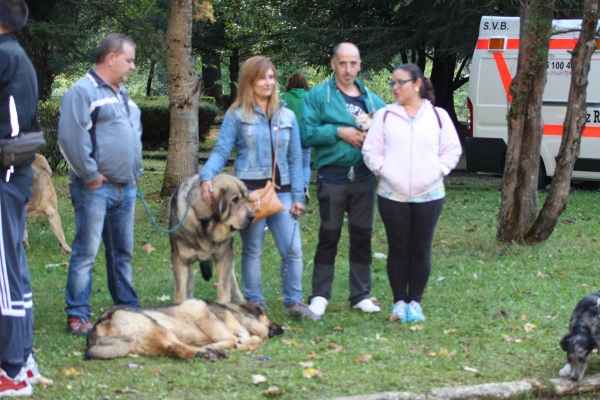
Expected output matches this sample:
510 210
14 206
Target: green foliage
48 115
156 117
478 301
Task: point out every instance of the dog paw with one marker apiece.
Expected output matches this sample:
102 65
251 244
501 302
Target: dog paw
565 371
206 355
222 353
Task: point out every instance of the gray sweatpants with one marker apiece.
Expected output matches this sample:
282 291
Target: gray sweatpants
335 200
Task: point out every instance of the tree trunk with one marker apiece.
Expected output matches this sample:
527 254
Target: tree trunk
575 120
211 75
38 50
150 77
184 90
234 73
519 185
422 59
442 78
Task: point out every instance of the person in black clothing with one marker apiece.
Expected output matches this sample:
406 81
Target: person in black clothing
18 113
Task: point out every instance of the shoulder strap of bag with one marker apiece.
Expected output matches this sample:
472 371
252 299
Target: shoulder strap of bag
276 150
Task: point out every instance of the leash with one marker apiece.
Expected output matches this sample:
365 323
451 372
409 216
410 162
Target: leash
140 195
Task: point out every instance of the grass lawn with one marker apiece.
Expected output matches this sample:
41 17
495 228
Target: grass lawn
497 309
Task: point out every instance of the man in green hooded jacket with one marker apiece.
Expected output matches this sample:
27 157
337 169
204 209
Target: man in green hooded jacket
344 183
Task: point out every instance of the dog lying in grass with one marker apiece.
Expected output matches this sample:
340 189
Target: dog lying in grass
190 329
583 337
44 202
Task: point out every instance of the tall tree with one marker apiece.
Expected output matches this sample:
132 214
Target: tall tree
575 121
184 91
519 185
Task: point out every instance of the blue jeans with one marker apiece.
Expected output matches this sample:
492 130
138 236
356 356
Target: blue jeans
284 227
306 165
107 213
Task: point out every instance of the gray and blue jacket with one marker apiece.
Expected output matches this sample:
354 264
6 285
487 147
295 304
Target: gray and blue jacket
100 131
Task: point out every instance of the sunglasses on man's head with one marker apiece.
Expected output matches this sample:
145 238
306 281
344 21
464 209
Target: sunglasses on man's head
399 82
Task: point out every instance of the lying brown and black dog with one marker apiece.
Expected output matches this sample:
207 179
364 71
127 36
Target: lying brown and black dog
44 202
188 330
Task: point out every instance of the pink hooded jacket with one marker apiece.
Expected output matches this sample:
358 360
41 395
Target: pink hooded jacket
411 159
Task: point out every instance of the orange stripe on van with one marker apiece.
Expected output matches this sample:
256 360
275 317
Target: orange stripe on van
557 130
513 44
563 44
504 73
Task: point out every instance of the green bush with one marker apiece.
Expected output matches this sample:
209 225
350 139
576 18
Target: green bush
48 113
155 120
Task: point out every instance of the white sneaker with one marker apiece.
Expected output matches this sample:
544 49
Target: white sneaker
30 369
367 306
318 305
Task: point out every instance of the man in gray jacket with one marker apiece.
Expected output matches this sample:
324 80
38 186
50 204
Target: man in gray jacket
99 133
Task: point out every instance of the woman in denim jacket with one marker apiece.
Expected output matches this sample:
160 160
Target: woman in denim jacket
251 124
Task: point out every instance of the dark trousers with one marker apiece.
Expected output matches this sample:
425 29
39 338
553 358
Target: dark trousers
335 200
16 312
409 228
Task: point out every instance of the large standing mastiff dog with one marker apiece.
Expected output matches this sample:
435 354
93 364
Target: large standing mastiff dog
207 234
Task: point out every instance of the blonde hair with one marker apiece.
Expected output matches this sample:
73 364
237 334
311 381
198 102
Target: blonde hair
252 70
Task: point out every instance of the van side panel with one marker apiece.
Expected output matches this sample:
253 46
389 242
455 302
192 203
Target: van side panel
491 74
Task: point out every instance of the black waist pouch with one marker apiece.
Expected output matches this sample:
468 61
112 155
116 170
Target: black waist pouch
18 149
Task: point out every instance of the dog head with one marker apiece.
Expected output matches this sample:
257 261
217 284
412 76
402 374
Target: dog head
274 328
579 348
363 121
230 204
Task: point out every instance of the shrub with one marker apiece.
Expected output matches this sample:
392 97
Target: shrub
155 120
48 113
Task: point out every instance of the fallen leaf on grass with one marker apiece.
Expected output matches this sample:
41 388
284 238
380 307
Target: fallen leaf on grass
429 353
289 342
334 348
473 370
256 379
585 286
529 327
500 313
551 316
365 358
378 337
71 372
445 353
164 297
394 318
147 248
308 364
541 274
273 391
444 242
416 327
309 373
562 272
338 329
157 372
513 327
449 331
523 317
311 356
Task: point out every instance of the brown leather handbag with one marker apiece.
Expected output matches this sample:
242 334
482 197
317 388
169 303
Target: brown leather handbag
264 202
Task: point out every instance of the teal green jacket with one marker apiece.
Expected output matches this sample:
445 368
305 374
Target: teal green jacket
293 101
323 111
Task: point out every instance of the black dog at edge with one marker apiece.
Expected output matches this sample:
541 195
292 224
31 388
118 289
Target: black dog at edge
583 337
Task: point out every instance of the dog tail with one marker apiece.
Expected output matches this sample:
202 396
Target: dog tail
206 269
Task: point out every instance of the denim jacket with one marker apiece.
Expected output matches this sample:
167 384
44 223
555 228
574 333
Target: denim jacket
253 138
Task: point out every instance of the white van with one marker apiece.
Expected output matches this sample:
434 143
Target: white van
493 67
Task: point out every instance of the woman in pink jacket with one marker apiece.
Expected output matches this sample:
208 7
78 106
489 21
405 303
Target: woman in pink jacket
412 145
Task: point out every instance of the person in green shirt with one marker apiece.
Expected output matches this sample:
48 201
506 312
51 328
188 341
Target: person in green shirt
296 88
